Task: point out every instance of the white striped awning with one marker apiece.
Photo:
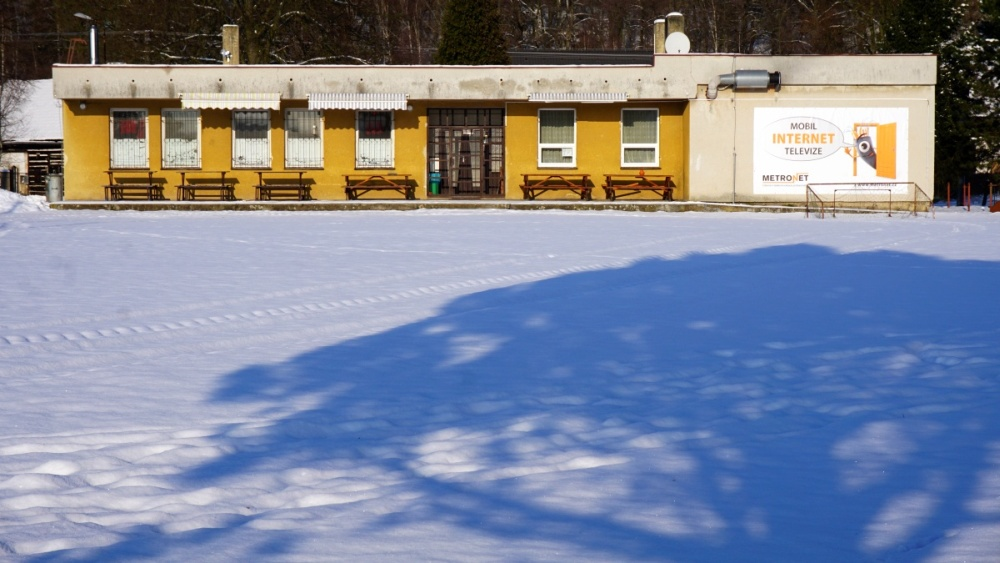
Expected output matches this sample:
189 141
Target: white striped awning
231 100
578 97
380 101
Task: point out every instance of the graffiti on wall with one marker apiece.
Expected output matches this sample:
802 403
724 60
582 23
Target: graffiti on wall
821 146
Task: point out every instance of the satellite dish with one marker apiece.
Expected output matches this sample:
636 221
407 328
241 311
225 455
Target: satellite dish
677 44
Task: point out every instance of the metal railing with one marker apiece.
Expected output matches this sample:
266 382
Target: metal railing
919 197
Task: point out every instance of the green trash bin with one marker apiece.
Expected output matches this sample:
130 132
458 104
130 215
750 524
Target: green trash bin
435 183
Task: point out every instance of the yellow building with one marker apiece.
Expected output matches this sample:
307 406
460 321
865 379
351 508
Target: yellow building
708 127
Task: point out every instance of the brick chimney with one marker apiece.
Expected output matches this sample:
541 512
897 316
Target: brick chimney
230 44
659 34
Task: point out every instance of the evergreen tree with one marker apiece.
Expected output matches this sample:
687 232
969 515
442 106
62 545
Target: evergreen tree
989 82
962 125
471 34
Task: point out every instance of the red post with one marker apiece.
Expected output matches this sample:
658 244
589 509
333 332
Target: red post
947 197
967 194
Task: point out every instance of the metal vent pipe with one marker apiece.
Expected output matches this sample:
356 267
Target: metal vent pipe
744 80
93 44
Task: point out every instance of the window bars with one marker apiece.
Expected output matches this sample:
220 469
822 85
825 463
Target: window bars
303 138
181 138
129 141
374 142
251 139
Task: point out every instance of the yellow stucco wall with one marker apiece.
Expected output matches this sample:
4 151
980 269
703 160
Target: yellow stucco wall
598 144
87 146
87 149
684 185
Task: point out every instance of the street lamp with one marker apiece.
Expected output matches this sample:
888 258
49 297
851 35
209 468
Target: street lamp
93 36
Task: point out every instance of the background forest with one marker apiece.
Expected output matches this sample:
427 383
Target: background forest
34 34
39 32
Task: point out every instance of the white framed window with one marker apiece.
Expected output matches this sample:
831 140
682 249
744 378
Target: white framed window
129 138
181 138
303 138
251 138
375 140
640 137
556 138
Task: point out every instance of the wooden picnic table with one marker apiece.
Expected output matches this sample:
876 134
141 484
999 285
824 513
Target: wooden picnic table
205 184
357 185
535 184
282 184
132 184
630 184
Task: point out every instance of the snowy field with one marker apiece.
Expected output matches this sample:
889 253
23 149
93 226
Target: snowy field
498 386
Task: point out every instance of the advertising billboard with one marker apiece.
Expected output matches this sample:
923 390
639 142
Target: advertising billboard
855 147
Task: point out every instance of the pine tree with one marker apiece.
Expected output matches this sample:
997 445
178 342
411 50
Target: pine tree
471 34
962 124
989 81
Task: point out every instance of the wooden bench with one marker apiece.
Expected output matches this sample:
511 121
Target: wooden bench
281 186
132 184
357 185
214 186
535 184
618 185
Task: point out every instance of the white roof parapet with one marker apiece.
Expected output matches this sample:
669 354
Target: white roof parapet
231 100
358 101
579 97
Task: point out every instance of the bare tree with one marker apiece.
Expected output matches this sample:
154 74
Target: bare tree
13 89
12 95
417 30
38 33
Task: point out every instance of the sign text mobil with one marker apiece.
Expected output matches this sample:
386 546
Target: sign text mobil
803 138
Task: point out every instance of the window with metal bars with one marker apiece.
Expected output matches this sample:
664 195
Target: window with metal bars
374 140
640 137
303 138
181 138
556 138
129 141
251 139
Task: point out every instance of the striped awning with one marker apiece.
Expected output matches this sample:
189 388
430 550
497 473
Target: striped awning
578 97
364 101
231 100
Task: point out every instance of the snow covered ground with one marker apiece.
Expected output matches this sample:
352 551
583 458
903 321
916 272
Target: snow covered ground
498 385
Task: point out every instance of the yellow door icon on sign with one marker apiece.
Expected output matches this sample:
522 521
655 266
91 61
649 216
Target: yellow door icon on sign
885 166
878 153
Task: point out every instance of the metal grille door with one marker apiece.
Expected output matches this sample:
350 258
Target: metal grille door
466 148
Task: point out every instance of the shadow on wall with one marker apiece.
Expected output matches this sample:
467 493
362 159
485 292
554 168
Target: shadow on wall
788 404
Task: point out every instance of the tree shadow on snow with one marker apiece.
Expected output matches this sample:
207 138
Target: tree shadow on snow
786 404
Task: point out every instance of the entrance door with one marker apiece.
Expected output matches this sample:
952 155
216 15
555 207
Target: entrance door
466 147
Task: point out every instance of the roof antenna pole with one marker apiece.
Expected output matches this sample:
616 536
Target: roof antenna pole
93 36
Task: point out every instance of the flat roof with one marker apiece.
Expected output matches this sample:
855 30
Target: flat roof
669 77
